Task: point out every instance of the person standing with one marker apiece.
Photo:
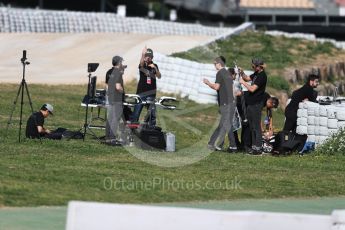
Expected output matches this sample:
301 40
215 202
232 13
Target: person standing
115 94
224 84
147 86
306 92
254 101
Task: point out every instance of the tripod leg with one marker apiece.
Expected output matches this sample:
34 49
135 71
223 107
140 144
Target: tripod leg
30 103
13 108
21 111
27 92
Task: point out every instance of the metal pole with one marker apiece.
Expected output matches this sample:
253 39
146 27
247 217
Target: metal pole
21 103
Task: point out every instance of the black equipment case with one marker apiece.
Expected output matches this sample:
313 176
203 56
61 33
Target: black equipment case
287 142
150 138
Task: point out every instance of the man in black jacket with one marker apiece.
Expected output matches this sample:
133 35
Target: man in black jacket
306 92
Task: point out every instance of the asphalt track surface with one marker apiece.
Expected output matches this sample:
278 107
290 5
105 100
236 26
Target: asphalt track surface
54 218
62 58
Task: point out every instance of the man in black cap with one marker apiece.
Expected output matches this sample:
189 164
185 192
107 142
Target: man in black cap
115 94
34 125
147 86
254 101
306 92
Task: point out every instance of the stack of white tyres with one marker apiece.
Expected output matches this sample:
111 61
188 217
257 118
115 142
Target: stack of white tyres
319 122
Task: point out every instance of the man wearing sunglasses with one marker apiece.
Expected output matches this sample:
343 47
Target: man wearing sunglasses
254 101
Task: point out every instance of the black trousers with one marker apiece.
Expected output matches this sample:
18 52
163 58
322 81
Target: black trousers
254 120
290 121
246 136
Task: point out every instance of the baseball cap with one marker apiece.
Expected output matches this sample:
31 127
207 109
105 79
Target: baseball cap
48 107
257 61
117 59
149 53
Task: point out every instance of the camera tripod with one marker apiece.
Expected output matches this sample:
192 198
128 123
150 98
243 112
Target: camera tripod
22 87
91 68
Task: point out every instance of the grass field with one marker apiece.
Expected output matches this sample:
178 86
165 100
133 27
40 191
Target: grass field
279 53
54 172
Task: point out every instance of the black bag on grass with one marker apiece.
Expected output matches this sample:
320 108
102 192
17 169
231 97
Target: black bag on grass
68 134
150 138
288 142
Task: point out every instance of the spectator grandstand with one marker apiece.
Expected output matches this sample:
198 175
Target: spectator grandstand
36 20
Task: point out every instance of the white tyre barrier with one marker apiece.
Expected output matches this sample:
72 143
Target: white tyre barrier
302 130
311 111
305 105
323 121
311 130
322 111
205 97
171 88
311 120
317 130
204 89
341 124
302 113
331 113
302 121
340 114
332 123
323 131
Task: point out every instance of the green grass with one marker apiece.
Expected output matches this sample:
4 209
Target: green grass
54 172
278 52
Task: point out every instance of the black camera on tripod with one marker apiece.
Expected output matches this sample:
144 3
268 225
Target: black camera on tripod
23 59
91 67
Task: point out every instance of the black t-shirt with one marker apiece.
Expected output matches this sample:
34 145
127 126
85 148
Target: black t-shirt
36 119
259 79
305 92
107 75
113 94
266 97
268 111
226 95
147 82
